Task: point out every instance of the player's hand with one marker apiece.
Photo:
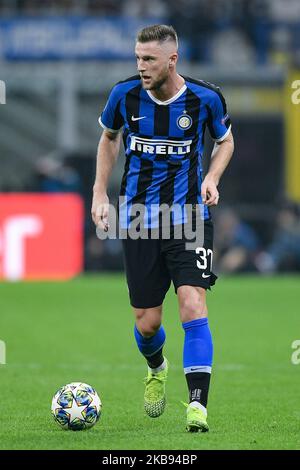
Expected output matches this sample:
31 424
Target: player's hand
100 210
209 192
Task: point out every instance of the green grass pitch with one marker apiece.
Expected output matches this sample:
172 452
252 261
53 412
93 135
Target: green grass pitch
82 330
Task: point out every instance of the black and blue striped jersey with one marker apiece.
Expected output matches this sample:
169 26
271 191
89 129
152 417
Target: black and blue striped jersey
164 141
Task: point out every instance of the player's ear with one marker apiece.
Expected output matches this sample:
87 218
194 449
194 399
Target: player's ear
173 59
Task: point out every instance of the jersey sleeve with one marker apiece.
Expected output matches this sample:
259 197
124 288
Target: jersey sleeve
111 117
219 123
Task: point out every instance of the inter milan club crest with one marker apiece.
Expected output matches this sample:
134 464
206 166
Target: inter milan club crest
184 122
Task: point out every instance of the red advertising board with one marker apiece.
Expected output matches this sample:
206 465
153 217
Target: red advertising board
41 236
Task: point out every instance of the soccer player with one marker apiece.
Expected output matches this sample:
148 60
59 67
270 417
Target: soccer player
163 116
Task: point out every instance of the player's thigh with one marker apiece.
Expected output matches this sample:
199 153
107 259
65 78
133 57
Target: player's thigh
147 275
191 266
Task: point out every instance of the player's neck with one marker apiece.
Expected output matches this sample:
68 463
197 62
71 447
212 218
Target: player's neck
169 89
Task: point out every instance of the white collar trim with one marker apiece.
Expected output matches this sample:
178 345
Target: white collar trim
170 100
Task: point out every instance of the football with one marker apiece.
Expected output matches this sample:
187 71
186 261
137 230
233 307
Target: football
76 406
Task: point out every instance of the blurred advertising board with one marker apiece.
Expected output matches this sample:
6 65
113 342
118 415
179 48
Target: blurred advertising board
292 135
41 236
43 38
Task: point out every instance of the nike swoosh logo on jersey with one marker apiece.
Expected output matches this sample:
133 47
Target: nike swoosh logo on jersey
205 275
137 118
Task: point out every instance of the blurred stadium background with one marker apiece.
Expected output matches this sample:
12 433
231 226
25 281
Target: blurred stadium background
59 59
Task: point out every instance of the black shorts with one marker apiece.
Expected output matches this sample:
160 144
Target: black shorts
151 265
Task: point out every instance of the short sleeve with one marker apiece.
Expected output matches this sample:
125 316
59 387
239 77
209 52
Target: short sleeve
111 117
219 123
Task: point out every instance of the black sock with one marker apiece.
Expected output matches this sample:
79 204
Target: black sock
156 359
198 385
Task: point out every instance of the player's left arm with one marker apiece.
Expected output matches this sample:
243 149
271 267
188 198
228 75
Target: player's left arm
220 157
219 125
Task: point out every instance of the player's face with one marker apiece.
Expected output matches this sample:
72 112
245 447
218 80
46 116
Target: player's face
154 63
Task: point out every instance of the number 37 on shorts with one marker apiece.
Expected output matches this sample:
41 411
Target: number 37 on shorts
205 259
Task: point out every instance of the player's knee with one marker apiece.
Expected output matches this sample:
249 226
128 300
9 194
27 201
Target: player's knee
192 311
147 322
147 329
192 303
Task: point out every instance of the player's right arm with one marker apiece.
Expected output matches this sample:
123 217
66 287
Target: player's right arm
107 154
112 122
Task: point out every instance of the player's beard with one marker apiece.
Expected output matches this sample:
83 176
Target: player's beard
157 84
